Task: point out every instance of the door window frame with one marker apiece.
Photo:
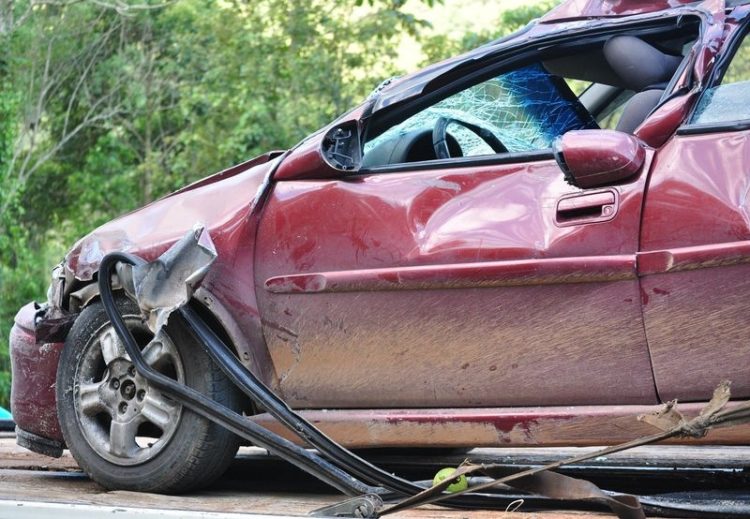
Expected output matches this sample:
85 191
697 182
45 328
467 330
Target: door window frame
731 46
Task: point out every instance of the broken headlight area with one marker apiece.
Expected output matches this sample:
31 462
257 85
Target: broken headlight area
66 297
53 319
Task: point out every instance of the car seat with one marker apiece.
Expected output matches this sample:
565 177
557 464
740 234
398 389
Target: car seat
644 69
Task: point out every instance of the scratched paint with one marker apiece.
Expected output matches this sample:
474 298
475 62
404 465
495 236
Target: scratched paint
497 427
696 227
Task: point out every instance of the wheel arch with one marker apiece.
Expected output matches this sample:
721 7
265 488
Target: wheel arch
207 306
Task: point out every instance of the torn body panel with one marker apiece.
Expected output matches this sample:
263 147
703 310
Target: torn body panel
164 285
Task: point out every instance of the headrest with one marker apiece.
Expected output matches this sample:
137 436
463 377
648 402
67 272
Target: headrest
639 64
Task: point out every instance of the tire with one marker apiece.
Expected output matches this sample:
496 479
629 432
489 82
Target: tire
127 435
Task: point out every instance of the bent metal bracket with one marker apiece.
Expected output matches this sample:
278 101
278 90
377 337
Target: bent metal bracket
165 286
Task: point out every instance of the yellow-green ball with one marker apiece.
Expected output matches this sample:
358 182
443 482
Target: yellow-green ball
459 483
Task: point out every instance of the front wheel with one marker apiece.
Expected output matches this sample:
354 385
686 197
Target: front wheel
126 434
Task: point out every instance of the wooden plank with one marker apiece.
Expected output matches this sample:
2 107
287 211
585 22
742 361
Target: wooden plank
76 488
661 456
258 483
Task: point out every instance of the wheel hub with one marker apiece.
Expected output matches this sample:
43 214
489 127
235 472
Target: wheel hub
120 387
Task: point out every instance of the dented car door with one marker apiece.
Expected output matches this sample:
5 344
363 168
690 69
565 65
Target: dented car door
451 287
696 238
479 280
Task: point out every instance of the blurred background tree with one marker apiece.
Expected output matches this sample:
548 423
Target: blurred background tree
105 106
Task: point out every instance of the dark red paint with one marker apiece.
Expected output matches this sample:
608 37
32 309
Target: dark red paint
33 401
595 158
480 239
445 305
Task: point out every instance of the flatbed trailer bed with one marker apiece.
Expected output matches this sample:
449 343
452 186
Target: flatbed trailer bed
259 485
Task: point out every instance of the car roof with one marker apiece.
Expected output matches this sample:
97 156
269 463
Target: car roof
577 9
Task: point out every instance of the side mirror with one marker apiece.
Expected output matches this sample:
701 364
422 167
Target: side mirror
594 158
331 153
341 147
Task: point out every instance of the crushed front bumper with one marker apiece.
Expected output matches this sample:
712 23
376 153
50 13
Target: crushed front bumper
34 368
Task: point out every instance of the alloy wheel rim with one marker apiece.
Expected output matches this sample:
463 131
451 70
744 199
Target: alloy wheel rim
124 419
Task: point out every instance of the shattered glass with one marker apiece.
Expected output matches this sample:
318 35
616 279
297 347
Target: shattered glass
724 103
727 102
526 109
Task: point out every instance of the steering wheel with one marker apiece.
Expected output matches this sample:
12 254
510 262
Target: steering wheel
440 136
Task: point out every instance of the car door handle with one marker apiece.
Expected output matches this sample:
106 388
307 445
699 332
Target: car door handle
586 208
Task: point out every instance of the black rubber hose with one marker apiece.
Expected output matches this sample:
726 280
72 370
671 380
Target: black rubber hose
204 406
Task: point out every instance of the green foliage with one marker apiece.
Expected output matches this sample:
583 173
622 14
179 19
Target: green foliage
438 47
24 273
8 238
103 110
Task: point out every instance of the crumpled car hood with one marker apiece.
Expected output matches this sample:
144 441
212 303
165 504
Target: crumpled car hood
222 203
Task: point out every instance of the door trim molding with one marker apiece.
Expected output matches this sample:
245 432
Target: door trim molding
693 258
550 271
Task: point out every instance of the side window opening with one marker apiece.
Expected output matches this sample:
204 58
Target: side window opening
605 103
525 109
613 84
612 113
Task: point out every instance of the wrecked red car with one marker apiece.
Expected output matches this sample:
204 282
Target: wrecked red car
529 244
